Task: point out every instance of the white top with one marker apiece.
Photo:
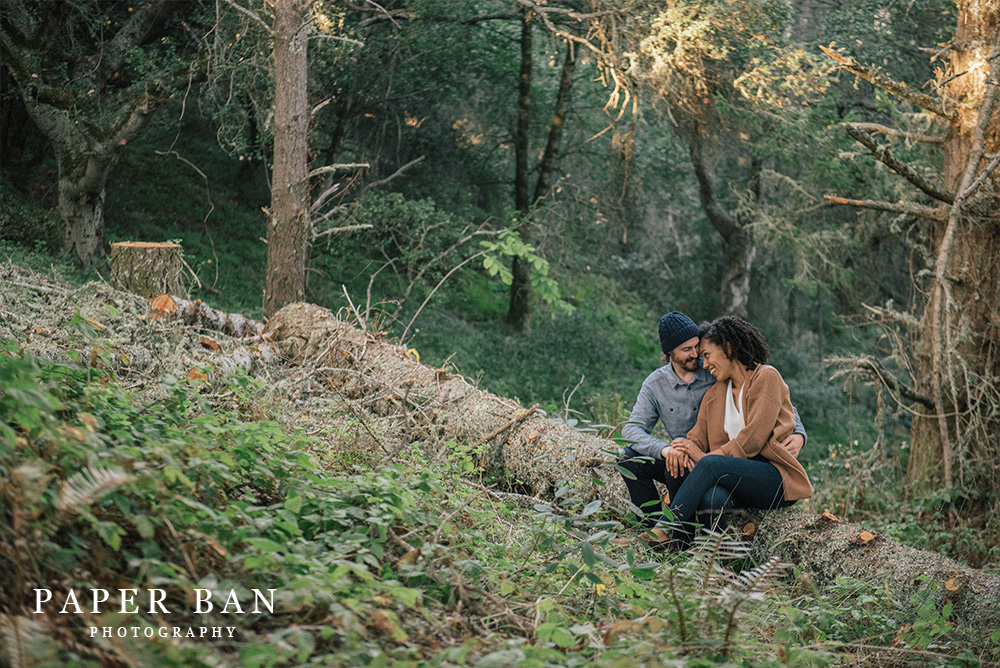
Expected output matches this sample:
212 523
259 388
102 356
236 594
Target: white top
734 414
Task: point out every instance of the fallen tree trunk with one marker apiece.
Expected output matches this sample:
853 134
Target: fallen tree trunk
200 314
536 455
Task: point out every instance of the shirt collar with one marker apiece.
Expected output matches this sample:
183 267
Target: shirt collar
701 375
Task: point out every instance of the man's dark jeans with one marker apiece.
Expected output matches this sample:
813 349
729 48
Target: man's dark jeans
715 485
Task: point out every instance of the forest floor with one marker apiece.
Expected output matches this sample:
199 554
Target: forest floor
139 450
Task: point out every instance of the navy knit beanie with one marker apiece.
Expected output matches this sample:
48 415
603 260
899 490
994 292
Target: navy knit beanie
675 329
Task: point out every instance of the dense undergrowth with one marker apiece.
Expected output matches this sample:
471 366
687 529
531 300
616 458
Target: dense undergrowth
372 563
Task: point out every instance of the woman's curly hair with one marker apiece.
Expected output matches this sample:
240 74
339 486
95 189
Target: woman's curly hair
739 340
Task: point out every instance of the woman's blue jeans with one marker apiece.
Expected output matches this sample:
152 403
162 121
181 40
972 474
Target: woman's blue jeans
719 483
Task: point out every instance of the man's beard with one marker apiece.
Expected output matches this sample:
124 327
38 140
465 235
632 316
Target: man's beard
689 365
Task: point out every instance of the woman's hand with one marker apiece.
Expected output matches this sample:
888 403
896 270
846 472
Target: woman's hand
689 448
676 461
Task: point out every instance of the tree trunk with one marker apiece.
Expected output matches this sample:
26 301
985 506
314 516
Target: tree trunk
58 85
147 269
959 355
519 309
538 456
740 251
82 182
288 221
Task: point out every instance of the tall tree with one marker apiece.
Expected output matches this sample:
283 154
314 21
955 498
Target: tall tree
519 310
288 230
91 74
956 360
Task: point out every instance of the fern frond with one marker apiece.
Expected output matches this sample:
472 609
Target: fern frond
26 641
87 486
709 551
756 578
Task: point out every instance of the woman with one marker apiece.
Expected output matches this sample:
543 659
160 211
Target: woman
736 443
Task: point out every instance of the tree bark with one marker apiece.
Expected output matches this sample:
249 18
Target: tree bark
539 456
960 342
288 219
147 269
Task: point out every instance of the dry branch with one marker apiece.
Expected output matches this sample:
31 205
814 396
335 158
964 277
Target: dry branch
896 132
897 88
885 155
537 454
892 207
871 365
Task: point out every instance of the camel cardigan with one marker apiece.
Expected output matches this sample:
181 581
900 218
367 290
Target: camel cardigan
767 412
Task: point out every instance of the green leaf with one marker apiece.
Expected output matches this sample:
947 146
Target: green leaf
294 505
643 573
589 557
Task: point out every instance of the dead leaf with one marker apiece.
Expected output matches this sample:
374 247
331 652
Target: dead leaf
749 529
209 343
88 421
830 516
952 585
410 557
617 629
163 305
39 330
197 374
95 323
75 433
385 621
866 536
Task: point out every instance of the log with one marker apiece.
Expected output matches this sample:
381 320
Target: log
147 269
199 314
537 455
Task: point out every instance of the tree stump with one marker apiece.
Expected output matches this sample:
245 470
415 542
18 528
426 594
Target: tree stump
147 269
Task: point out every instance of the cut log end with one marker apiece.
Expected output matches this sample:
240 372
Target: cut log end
147 268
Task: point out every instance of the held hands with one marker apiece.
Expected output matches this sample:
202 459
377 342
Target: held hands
677 461
691 451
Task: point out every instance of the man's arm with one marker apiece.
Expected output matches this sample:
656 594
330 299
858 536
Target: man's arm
795 441
641 422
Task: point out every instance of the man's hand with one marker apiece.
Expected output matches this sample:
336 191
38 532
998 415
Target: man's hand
690 449
794 444
676 464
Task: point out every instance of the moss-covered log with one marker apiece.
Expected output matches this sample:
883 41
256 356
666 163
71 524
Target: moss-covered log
536 455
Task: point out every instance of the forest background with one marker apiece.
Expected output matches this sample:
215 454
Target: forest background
517 191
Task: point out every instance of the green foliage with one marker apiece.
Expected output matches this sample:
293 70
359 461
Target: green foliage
510 245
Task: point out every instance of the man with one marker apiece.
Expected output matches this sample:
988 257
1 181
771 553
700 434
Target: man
672 394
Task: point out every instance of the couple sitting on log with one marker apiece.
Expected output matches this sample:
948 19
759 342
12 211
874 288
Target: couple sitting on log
736 434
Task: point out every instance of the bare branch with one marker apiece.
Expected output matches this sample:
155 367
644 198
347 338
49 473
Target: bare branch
332 168
897 88
892 207
895 132
253 16
722 220
982 177
873 366
885 154
346 228
322 198
398 172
